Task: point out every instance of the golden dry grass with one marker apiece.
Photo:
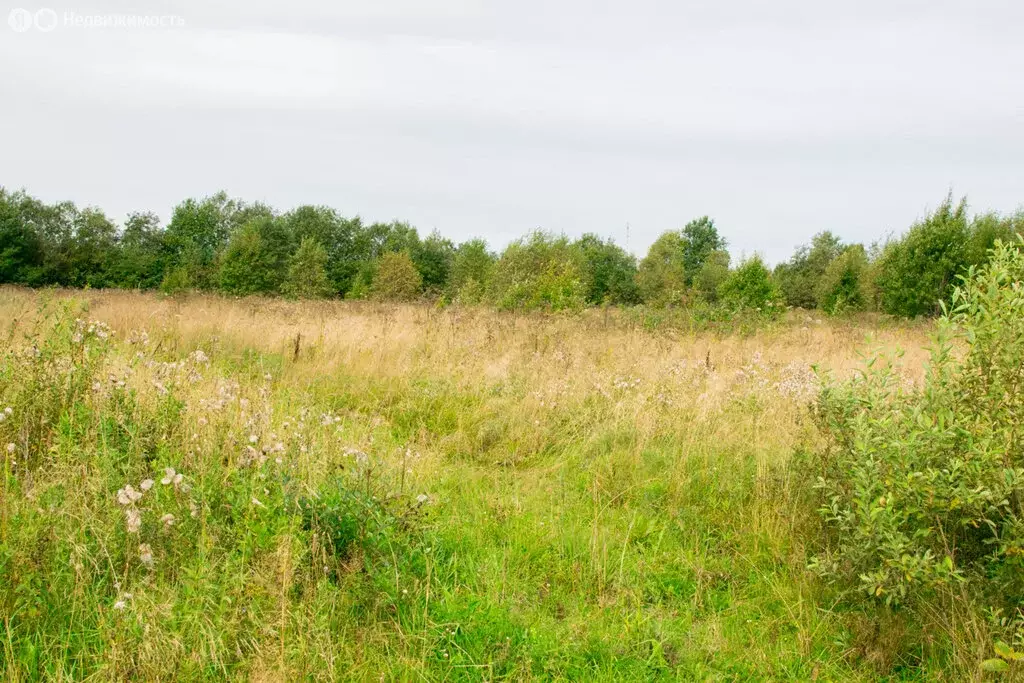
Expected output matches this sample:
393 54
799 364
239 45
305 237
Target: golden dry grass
608 488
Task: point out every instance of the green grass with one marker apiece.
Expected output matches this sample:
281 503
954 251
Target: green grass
598 539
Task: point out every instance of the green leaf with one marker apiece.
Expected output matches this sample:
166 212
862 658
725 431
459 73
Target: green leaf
1007 652
996 665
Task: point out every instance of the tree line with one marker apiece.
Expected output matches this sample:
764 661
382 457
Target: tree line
222 244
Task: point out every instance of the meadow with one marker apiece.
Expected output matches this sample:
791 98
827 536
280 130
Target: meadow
201 488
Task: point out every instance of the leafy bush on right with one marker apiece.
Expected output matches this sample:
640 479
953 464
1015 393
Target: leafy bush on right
921 488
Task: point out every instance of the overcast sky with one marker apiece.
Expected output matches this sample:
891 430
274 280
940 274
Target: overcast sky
490 119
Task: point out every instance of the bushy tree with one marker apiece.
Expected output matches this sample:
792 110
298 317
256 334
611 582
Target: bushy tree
307 272
609 271
256 258
712 274
338 236
702 240
470 274
845 283
799 279
922 488
55 226
661 277
918 271
396 278
750 286
199 230
91 250
539 272
362 282
21 246
139 262
988 228
433 258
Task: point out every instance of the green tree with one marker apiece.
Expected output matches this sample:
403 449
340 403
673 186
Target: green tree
91 249
55 226
712 274
470 273
339 236
433 258
139 262
307 272
919 271
396 277
539 272
986 229
799 278
661 277
609 272
369 244
843 285
750 286
702 240
256 258
21 247
199 231
921 489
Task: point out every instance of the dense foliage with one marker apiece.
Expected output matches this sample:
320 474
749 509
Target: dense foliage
921 488
220 243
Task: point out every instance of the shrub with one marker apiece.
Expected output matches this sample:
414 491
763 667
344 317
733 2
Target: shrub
919 271
922 488
397 278
662 274
255 260
702 241
307 272
471 268
433 257
799 279
712 274
844 284
609 271
539 272
750 286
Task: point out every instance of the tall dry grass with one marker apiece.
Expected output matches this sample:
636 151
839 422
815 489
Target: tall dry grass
605 500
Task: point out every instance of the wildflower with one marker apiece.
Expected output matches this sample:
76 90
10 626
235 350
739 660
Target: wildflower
253 438
257 503
8 410
178 478
119 605
193 509
168 477
167 520
128 495
11 447
146 484
133 520
146 553
422 498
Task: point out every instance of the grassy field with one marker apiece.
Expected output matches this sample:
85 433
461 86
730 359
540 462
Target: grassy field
204 488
